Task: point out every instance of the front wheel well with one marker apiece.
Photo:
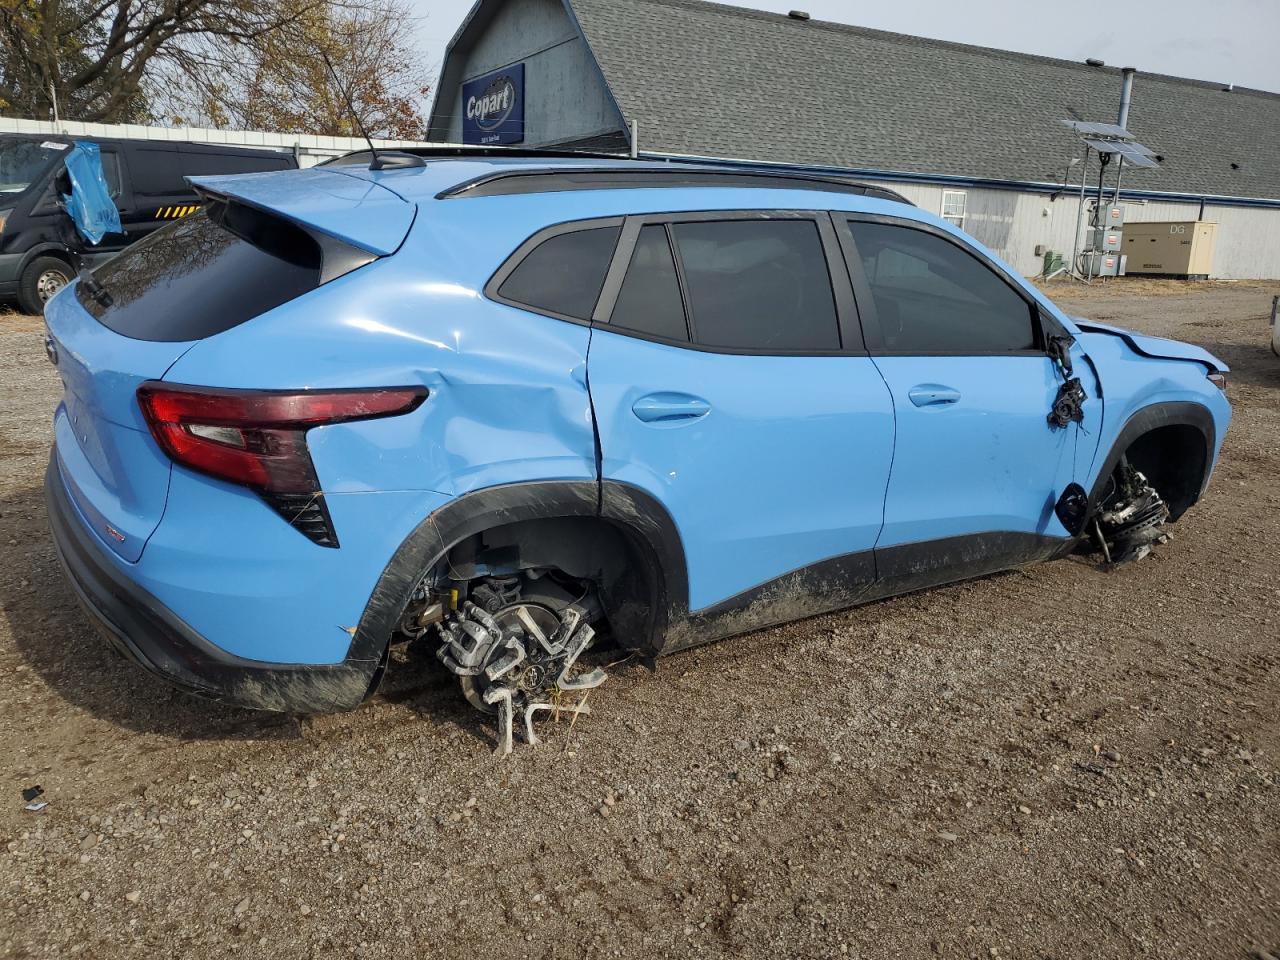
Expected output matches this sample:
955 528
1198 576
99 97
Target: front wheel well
1174 459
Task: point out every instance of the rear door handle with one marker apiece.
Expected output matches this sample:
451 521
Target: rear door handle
669 407
933 395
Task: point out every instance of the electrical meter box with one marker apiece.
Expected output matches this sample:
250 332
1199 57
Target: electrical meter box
1103 265
1106 240
1108 216
1183 250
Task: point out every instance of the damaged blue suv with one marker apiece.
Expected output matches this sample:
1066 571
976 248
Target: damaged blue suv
507 404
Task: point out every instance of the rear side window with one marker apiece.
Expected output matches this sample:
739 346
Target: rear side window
563 274
758 285
932 297
195 164
204 274
649 300
157 172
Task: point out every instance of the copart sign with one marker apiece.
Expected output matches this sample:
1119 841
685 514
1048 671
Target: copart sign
493 107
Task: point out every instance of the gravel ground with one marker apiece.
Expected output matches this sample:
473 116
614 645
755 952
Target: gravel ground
1053 763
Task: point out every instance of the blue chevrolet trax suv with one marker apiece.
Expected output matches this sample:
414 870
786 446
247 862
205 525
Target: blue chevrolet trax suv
510 404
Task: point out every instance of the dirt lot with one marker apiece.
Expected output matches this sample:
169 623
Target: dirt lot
1054 763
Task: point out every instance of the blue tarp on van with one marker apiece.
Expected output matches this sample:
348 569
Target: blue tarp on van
90 205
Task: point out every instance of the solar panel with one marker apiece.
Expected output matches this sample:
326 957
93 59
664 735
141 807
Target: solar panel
1134 153
1135 156
1090 128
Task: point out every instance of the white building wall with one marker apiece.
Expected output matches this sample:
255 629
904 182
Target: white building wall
1013 224
310 149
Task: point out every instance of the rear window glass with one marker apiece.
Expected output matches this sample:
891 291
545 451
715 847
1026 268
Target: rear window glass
203 274
563 274
758 285
649 301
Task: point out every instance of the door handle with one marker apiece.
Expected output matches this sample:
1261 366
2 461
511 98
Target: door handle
669 407
933 395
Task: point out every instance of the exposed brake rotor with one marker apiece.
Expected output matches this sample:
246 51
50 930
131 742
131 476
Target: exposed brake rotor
518 659
1133 521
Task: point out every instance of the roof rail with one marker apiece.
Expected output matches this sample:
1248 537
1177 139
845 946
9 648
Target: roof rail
452 150
502 183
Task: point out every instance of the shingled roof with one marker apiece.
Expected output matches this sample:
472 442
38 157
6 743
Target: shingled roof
707 79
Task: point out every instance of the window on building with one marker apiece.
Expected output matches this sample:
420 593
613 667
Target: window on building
953 207
932 297
563 274
758 285
649 301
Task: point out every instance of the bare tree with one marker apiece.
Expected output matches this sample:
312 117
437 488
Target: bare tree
211 61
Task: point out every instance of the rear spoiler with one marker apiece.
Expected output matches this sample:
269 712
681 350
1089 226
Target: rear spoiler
325 203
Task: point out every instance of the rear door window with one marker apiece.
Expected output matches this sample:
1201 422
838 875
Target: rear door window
649 300
195 163
203 274
757 284
157 172
562 276
933 297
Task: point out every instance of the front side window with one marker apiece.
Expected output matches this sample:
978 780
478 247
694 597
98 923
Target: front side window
563 274
932 297
757 285
22 161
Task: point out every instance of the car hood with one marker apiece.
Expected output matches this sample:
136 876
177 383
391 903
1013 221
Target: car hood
1157 347
351 209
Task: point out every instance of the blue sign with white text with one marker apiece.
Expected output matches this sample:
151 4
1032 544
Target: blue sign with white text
493 107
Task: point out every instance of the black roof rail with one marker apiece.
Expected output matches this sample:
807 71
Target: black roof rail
505 183
462 151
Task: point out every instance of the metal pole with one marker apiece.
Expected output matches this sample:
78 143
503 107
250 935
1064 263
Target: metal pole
1122 118
1075 250
635 139
53 95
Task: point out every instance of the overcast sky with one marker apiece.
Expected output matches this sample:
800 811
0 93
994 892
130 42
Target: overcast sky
1229 41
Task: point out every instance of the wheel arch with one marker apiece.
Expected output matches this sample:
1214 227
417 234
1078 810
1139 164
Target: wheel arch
653 587
1176 441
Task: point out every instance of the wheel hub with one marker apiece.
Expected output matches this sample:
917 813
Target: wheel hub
517 659
48 283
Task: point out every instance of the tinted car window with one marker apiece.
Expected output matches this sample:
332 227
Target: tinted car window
203 274
157 172
563 274
933 297
196 164
649 300
758 285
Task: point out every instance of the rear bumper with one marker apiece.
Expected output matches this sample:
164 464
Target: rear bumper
145 631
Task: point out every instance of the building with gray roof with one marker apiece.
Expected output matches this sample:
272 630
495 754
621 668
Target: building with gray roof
969 132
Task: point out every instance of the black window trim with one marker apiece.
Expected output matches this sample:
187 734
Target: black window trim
871 319
518 255
849 327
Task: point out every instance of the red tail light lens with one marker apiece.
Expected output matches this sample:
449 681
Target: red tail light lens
258 437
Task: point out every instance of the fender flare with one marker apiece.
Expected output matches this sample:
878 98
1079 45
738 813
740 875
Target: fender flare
46 249
646 524
1152 417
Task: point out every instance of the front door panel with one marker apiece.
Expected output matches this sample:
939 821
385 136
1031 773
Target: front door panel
975 452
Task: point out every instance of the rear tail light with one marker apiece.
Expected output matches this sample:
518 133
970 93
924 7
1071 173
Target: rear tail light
258 438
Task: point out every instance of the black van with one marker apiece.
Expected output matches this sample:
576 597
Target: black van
37 237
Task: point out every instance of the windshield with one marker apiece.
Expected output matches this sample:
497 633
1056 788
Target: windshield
22 161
